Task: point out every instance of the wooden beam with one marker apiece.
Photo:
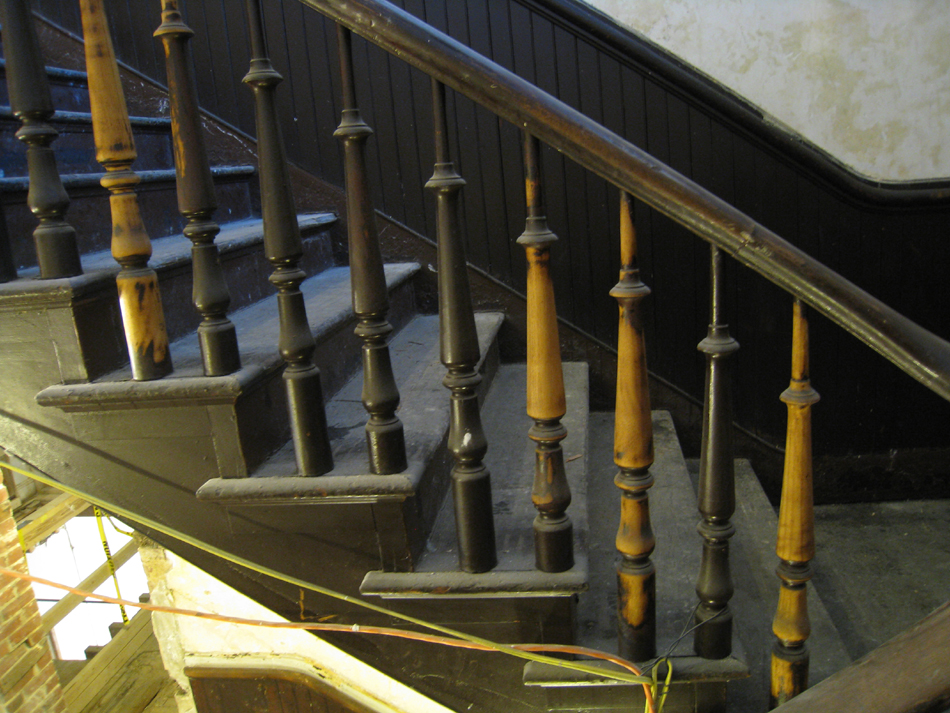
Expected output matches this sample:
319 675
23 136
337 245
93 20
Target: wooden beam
49 518
64 606
911 672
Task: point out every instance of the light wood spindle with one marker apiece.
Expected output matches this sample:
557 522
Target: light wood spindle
796 527
139 297
633 454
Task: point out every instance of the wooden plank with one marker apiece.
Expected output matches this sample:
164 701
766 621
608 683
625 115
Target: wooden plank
911 672
98 673
49 518
64 606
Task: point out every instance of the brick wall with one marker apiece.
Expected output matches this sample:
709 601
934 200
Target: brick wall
28 680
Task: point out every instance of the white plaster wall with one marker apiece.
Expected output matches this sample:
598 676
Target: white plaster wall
866 80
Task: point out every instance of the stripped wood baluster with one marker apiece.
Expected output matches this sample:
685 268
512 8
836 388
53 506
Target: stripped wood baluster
196 200
56 251
796 527
384 431
458 342
633 454
553 531
139 297
283 249
717 491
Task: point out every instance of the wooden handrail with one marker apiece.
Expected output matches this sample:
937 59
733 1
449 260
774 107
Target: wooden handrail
921 354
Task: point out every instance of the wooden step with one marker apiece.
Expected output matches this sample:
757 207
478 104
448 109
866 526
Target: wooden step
408 500
540 605
235 422
69 88
236 189
75 148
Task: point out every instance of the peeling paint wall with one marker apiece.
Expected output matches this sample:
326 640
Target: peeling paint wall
866 80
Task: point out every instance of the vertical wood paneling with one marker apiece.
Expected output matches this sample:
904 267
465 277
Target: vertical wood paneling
325 97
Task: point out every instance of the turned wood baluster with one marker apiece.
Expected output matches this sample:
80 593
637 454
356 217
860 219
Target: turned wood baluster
458 341
196 200
139 297
717 492
633 454
553 531
56 252
796 527
384 432
7 264
283 249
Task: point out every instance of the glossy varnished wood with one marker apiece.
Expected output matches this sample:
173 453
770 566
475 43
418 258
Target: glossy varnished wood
546 403
284 249
56 252
384 432
196 199
471 480
633 454
796 527
139 296
717 490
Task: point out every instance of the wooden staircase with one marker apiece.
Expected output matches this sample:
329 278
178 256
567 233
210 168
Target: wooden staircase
325 443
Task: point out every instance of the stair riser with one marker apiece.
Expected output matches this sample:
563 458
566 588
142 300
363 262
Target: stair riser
68 94
238 197
76 150
246 271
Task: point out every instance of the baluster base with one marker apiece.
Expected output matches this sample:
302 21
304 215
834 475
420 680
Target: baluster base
219 347
553 543
474 525
386 444
636 609
308 422
141 305
789 673
713 640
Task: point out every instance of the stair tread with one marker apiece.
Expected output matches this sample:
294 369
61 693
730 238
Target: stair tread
74 181
424 411
60 116
510 460
328 303
168 252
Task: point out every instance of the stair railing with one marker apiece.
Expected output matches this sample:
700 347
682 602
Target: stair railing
196 200
139 297
283 248
57 254
919 353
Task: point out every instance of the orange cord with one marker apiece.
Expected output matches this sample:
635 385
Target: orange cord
352 628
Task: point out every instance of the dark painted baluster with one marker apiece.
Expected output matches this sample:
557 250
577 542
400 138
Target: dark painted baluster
553 531
7 265
56 251
796 527
139 297
196 200
284 248
633 454
717 492
471 482
384 432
